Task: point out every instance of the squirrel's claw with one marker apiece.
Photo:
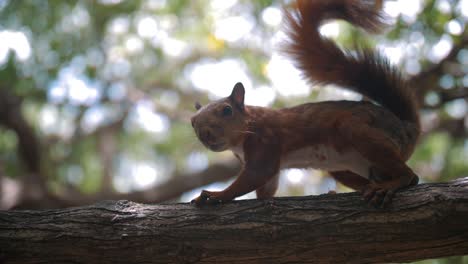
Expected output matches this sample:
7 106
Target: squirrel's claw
377 195
206 197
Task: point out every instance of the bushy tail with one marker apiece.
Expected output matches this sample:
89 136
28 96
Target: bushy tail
363 71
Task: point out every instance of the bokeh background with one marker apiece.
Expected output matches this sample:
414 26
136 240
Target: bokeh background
96 96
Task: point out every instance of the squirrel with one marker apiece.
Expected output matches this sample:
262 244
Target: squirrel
362 145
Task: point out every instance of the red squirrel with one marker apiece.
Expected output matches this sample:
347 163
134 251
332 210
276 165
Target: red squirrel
362 145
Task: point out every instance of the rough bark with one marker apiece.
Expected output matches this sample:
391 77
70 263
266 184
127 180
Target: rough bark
425 221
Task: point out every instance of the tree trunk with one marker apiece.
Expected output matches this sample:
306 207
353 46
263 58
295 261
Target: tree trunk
425 221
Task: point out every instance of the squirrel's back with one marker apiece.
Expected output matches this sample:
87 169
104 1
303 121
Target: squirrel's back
363 71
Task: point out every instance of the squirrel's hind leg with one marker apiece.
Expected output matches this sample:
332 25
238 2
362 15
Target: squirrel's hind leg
384 155
268 190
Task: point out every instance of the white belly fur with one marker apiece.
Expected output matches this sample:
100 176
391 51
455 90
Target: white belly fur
324 158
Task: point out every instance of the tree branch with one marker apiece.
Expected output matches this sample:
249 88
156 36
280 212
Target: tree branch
173 188
447 96
428 79
425 221
12 118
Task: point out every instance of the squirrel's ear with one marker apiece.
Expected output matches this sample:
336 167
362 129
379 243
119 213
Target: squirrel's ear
197 105
237 95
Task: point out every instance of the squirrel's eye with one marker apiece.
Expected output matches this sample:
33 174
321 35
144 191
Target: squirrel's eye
227 111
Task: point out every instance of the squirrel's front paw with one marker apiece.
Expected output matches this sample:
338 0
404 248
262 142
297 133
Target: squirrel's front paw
378 195
207 197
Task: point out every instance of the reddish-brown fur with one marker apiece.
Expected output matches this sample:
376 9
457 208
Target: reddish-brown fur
263 137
